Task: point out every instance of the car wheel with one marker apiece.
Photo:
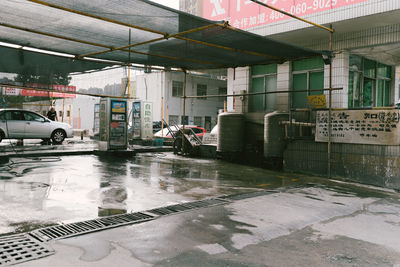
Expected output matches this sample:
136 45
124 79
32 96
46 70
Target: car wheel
1 136
58 136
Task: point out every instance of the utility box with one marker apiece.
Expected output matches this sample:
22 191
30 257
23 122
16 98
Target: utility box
113 124
142 120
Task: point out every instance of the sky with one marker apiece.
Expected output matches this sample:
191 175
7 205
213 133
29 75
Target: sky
169 3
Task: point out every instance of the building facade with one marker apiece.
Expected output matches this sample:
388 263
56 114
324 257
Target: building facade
365 44
365 72
165 89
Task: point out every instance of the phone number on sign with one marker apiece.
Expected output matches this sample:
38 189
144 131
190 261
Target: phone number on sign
304 8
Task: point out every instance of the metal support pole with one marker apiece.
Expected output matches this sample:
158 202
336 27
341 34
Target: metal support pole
129 65
330 104
70 115
162 116
184 111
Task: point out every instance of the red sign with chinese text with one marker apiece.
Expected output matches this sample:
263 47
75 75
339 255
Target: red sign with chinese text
28 92
245 14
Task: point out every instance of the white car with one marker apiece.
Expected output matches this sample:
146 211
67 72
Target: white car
25 124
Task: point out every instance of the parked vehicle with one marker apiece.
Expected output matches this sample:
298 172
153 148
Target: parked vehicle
174 128
25 124
156 126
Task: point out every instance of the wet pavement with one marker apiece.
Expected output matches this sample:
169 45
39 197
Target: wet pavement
305 221
309 226
47 190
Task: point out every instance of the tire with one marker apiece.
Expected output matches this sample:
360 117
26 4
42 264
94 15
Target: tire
1 136
58 136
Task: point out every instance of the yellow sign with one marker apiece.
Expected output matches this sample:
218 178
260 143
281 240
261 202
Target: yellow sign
316 101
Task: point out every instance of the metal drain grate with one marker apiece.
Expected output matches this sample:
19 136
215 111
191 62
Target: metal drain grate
248 195
74 229
19 248
188 206
79 228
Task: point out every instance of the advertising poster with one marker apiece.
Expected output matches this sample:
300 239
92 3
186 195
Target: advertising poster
118 106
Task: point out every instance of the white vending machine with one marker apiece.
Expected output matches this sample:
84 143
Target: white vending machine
142 120
113 124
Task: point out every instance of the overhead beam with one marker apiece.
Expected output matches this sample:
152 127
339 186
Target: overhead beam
151 30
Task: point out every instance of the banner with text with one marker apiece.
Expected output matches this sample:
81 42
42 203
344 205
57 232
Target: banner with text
69 90
381 127
245 14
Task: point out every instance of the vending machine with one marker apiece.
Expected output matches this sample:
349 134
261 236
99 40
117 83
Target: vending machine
113 124
142 120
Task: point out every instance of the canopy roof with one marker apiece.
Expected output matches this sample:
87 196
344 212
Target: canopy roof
157 35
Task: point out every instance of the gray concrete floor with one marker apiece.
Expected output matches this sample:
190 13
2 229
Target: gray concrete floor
308 221
309 226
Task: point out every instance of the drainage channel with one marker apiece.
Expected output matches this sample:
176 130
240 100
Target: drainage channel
188 206
23 247
20 248
73 229
79 228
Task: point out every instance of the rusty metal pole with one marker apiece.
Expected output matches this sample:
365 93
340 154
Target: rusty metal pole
330 105
184 111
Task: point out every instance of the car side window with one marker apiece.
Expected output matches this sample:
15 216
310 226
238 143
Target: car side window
15 115
29 116
6 115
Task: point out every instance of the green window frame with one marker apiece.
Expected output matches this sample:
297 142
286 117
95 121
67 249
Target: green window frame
202 90
263 79
369 83
307 75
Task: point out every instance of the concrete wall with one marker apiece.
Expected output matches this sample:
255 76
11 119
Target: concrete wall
238 82
368 164
83 112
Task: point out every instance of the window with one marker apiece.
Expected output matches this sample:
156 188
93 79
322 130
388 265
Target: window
172 119
177 88
68 113
198 121
60 113
222 91
263 80
369 83
12 115
308 75
29 116
201 90
184 120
